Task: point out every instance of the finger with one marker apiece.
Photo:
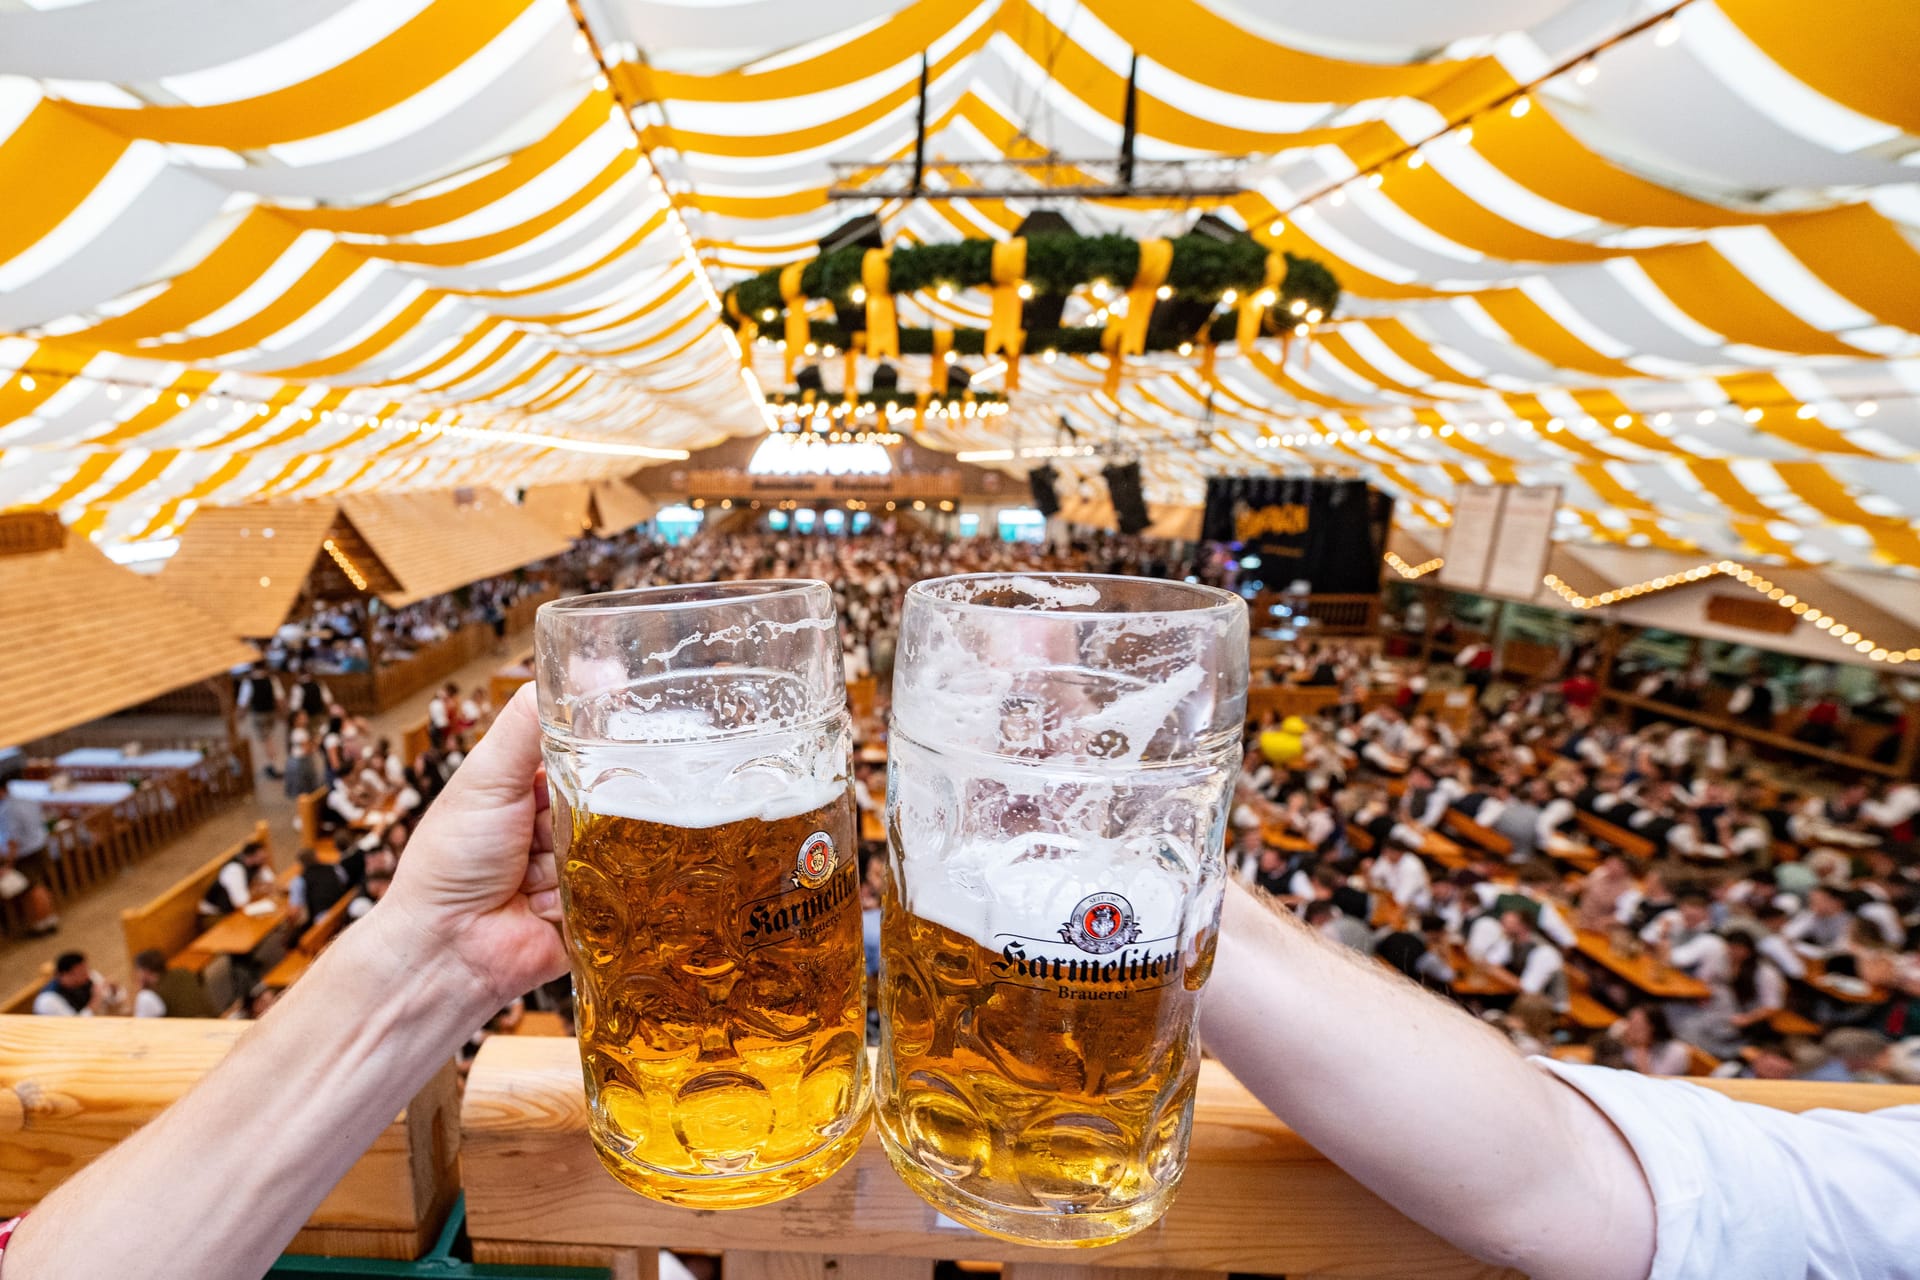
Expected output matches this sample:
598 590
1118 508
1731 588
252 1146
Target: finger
546 905
501 768
541 875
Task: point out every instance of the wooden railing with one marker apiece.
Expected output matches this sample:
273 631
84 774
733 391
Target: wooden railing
365 693
1255 1197
76 1086
1862 738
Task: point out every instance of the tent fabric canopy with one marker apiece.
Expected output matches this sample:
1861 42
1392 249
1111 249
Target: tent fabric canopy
90 638
1669 263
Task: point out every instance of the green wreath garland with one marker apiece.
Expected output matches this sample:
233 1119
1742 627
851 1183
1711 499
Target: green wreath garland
1203 269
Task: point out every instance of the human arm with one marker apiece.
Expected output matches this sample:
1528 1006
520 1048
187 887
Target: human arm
218 1184
1469 1140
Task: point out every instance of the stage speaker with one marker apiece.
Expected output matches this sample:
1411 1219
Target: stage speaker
1040 482
1129 505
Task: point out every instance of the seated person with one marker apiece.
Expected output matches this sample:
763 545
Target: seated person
244 877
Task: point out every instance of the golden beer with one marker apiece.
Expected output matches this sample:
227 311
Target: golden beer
720 994
1034 1083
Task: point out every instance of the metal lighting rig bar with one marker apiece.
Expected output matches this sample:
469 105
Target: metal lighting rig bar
1050 176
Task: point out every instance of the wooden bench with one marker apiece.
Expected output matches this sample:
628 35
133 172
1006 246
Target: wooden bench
1359 837
1615 836
861 695
1484 838
169 922
22 1000
87 1083
316 936
307 816
415 740
1788 1023
1583 1011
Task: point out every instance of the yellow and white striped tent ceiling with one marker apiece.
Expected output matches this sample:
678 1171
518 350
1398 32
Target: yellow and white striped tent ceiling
1661 254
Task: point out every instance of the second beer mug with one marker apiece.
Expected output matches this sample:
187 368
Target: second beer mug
696 741
1062 754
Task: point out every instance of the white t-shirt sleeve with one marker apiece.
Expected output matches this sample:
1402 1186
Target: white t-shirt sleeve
234 879
148 1004
1744 1190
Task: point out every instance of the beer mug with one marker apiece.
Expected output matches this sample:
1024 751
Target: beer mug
697 746
1062 758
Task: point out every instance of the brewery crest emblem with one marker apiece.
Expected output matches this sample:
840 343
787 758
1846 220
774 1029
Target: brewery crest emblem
1101 923
815 861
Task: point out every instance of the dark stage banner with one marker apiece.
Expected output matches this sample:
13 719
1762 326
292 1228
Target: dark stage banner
1331 533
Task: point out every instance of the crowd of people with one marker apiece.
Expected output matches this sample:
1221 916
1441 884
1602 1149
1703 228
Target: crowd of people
1791 902
1754 882
869 575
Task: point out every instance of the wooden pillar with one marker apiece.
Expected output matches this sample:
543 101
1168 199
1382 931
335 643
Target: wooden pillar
1909 754
371 635
222 687
1494 622
1612 636
1432 599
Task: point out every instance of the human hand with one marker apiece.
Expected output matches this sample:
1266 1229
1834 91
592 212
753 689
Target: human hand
478 879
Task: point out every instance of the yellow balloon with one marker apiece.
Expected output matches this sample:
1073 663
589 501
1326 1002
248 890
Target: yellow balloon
1280 747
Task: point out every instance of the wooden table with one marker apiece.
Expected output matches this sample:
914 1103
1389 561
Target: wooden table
240 934
1275 836
1643 971
1818 978
109 758
1471 978
79 795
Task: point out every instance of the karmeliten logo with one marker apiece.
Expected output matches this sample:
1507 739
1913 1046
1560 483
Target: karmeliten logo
1101 923
815 861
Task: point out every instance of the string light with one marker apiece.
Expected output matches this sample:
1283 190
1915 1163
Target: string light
1749 578
346 566
1412 571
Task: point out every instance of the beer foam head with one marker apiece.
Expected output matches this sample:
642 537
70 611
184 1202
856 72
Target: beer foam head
709 784
1112 672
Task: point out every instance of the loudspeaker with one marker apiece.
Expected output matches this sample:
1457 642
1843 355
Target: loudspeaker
1040 482
1129 505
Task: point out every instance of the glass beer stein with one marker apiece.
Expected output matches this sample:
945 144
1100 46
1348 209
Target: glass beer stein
1062 757
696 741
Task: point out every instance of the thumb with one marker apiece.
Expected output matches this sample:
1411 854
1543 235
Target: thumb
501 766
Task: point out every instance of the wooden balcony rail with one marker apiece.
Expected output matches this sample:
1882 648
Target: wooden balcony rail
70 1088
1255 1198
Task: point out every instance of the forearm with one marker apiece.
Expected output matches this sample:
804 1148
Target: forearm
1430 1109
219 1183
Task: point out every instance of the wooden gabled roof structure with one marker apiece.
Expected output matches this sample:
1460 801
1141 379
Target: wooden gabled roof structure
618 507
437 541
564 509
248 566
85 638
